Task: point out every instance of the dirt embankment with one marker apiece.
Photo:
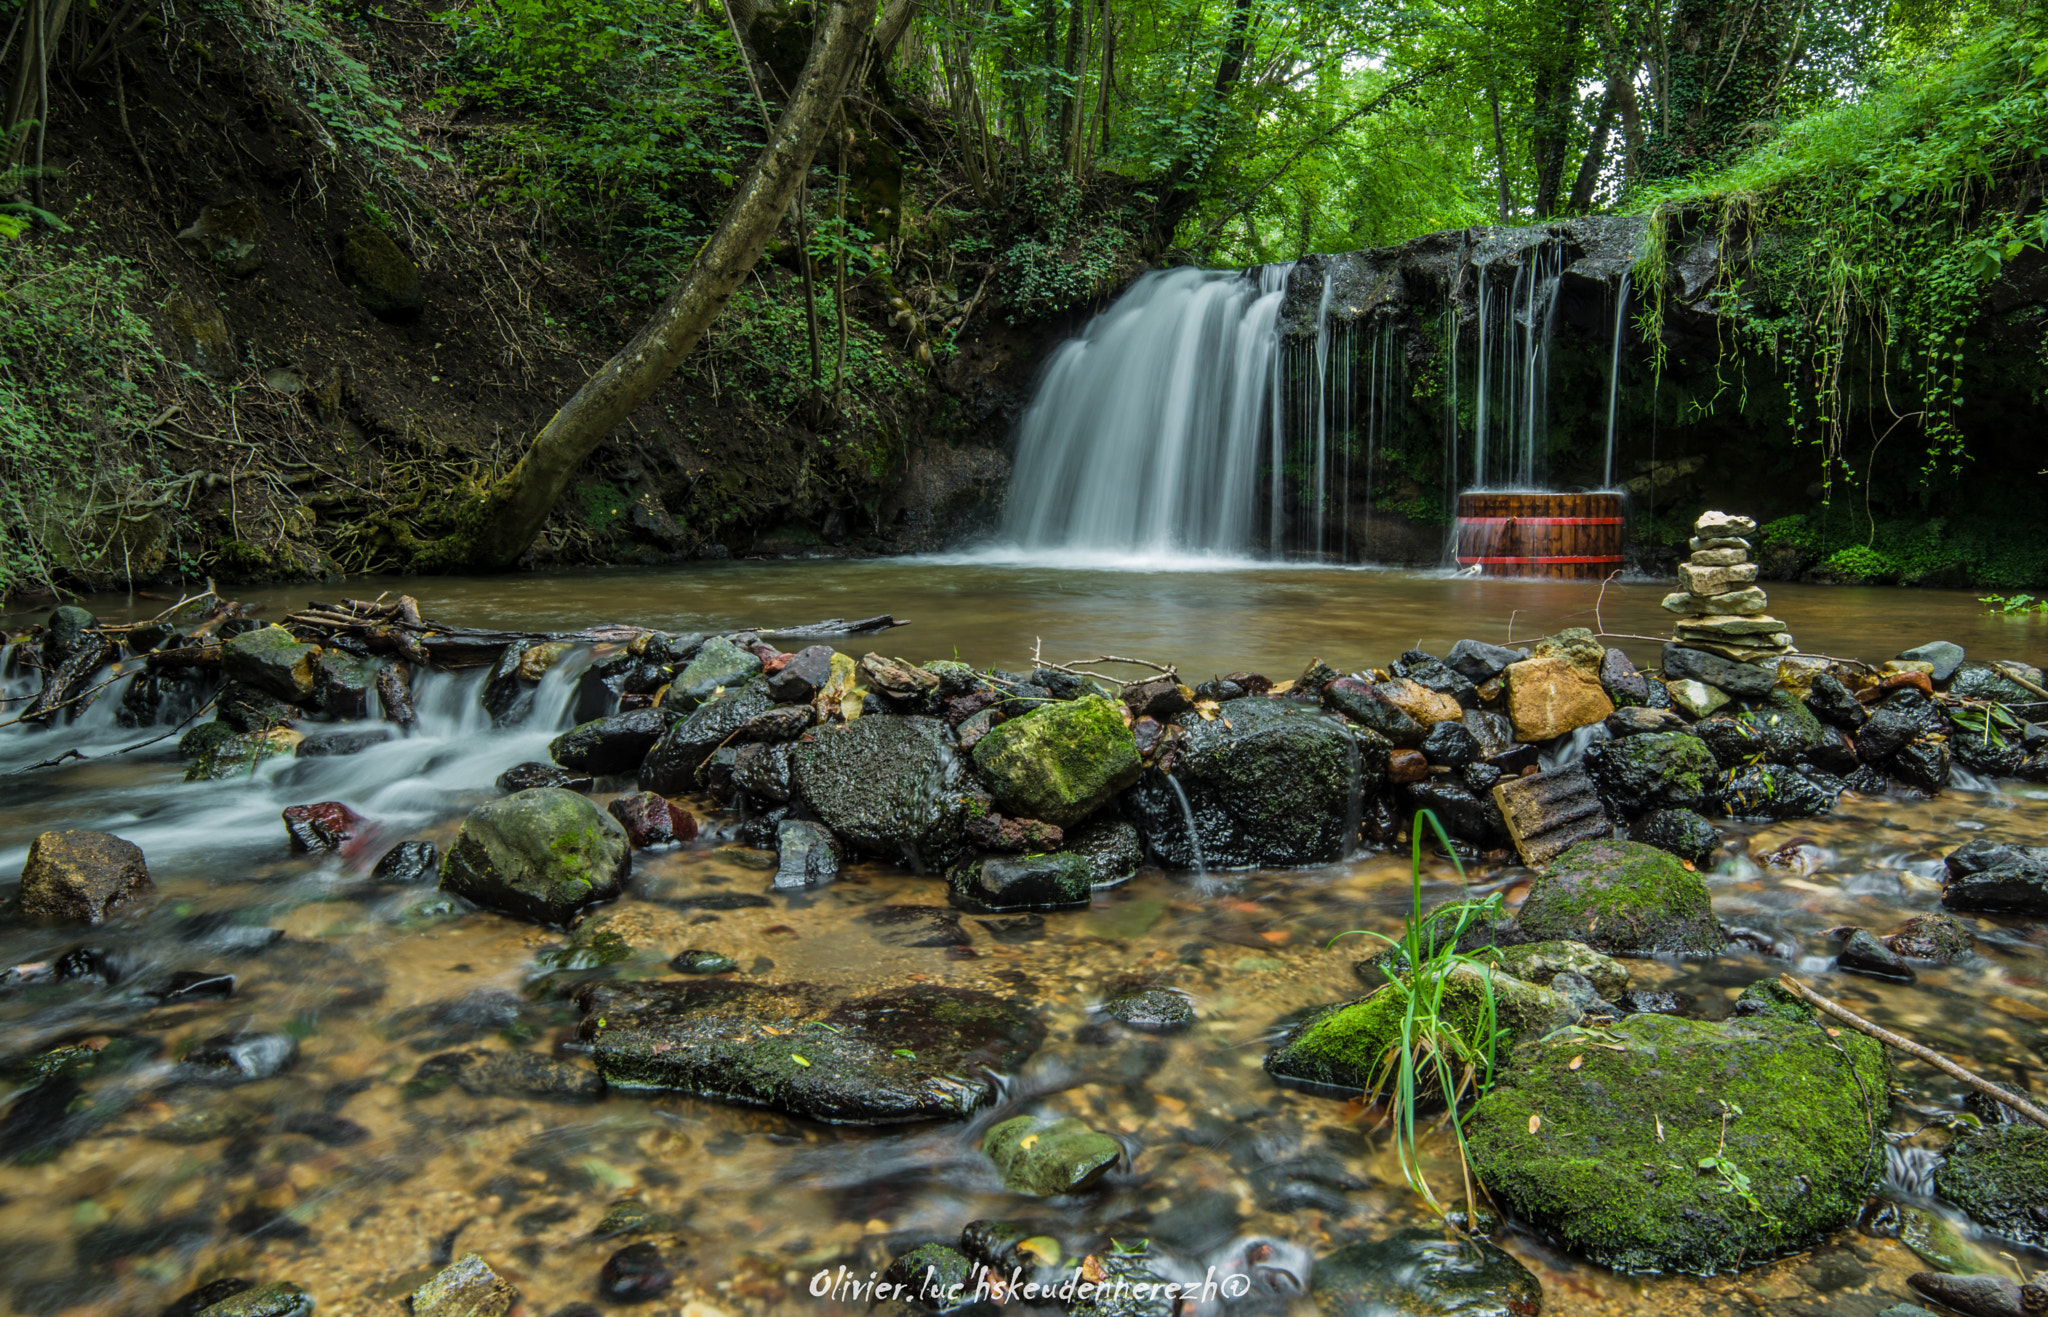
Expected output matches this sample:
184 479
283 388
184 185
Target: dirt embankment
340 319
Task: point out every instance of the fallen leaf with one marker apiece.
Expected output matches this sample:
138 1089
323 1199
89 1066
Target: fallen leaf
799 1060
1577 1061
1660 1129
1834 1033
1027 1141
1535 1123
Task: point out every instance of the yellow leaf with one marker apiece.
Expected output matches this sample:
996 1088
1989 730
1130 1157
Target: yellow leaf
1208 710
1535 1123
1027 1141
1577 1061
799 1060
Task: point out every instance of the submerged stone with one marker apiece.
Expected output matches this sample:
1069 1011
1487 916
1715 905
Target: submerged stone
1048 1158
82 877
1152 1010
1419 1272
922 1052
465 1288
524 1075
544 855
1999 1175
1002 884
1685 1145
1942 939
1623 898
278 1299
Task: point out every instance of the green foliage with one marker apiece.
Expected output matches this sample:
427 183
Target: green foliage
1066 254
1860 563
623 125
79 376
2016 605
760 348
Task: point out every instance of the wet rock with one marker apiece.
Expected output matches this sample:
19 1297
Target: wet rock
1342 1049
507 1075
897 686
507 693
1941 654
408 864
1450 745
278 1299
327 826
1548 697
1406 766
543 855
1974 680
1999 1175
1479 662
394 692
1363 704
1161 699
1695 697
1980 1296
1996 877
1047 1158
236 1058
1133 1284
653 820
272 660
1657 771
527 776
1627 687
917 1053
196 1301
1274 783
215 750
247 709
993 832
782 723
1540 962
1426 669
1654 1001
1642 722
1683 832
1060 762
1479 779
1773 791
1622 898
1152 1010
934 1277
890 787
1939 939
1831 701
228 237
1768 998
1862 953
1001 885
703 962
342 684
611 745
82 877
1464 813
1419 702
65 634
807 855
1569 1139
917 926
1923 764
762 771
1903 717
383 278
635 1274
1420 1273
324 1128
1743 681
630 1216
1781 731
676 762
2006 757
798 681
1219 689
1112 849
466 1288
335 745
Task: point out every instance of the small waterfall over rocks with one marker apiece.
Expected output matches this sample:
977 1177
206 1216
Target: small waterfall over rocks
1282 411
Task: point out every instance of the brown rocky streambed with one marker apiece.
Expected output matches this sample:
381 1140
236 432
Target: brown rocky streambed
310 1065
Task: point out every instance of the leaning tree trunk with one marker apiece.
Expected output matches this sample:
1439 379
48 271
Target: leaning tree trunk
499 525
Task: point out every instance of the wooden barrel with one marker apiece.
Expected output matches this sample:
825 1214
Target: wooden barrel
1565 537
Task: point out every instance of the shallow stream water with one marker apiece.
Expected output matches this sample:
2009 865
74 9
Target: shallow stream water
332 1176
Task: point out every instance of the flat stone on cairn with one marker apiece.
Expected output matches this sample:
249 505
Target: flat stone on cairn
1721 608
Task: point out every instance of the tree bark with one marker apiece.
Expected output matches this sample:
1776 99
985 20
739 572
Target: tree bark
1177 193
1581 200
1556 100
1500 153
495 529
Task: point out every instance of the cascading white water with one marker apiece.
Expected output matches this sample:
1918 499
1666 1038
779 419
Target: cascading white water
1144 436
1614 376
1511 429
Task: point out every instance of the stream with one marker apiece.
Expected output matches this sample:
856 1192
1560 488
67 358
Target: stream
342 1176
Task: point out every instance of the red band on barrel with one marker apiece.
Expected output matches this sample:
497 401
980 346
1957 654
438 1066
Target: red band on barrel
1539 521
1519 561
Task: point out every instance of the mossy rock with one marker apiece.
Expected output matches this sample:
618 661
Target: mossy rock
1999 1175
718 663
383 278
1622 898
1661 770
228 237
1048 1158
273 660
1006 884
544 855
923 1052
1540 962
216 750
1611 1143
1061 762
1782 731
201 332
1338 1050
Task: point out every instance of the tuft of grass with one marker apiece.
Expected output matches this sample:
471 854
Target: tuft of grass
1435 1059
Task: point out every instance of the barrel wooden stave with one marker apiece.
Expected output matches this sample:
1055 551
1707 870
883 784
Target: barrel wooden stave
1552 536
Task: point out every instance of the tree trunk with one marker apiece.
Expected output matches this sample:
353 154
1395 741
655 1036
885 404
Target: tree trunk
497 527
1500 153
1581 200
1177 192
1556 98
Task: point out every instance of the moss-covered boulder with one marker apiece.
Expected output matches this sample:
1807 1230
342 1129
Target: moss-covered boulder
81 877
718 663
1340 1049
271 659
1006 884
1061 762
1540 962
1419 1272
887 786
1046 1158
675 763
216 750
1782 731
383 278
544 855
1685 1145
1661 770
1266 782
1622 898
923 1052
1999 1175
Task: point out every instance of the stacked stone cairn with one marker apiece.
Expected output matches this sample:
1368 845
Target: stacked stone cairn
1721 608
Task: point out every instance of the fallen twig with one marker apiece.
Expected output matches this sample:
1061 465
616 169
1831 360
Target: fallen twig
1911 1048
1038 660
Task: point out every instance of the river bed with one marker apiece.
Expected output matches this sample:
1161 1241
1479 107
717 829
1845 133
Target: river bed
335 1176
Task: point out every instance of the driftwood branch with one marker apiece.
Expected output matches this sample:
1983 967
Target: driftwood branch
836 626
1913 1049
1038 660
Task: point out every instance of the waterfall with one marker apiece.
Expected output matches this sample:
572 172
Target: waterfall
1144 435
1511 403
1614 376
